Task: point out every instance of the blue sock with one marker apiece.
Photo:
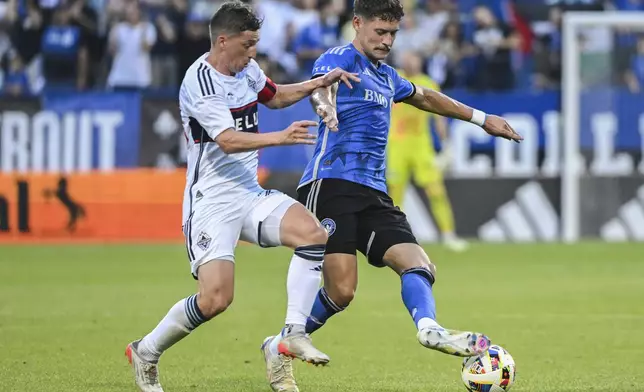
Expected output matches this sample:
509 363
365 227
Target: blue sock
323 309
417 293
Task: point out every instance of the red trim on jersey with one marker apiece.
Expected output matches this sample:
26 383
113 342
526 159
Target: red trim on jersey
244 107
268 92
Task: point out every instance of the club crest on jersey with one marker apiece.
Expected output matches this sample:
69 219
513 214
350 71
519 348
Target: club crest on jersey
204 241
251 83
329 225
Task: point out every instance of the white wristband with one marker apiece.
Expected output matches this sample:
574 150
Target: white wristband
478 117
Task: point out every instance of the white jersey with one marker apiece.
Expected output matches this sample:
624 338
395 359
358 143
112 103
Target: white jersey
211 103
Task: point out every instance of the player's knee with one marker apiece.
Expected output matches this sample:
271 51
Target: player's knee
214 302
420 265
342 293
314 234
424 262
405 257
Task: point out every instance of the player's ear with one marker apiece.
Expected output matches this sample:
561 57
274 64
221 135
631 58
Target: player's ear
357 22
221 41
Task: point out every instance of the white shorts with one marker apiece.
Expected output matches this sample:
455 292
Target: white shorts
213 230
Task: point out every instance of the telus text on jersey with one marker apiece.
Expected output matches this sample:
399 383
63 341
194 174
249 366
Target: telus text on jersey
246 119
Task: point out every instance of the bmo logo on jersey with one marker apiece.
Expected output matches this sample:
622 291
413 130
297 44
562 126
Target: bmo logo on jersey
373 96
246 118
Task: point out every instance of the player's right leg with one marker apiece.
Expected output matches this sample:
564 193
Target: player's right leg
210 243
386 238
417 276
335 204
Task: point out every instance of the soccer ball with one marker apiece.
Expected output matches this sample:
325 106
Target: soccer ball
492 371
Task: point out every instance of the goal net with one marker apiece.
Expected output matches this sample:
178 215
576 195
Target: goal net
603 126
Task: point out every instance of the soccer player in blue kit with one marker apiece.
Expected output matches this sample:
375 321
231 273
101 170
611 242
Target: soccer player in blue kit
344 186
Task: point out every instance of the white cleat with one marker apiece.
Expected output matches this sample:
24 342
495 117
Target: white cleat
462 344
456 244
279 370
299 345
146 374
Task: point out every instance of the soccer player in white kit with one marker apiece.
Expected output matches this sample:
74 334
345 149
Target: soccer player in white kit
223 201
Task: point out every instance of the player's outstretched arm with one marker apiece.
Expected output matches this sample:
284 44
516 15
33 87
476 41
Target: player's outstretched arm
288 94
439 103
231 141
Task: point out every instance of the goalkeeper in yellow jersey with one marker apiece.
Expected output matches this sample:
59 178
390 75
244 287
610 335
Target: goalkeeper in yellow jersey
410 152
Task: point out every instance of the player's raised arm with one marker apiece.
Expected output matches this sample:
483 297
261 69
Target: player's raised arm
435 102
288 94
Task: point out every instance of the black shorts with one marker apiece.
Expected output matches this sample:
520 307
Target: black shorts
357 218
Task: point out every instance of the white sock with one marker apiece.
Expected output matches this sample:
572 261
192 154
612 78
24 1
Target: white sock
426 322
182 319
302 286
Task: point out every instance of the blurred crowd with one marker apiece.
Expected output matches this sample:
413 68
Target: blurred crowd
481 45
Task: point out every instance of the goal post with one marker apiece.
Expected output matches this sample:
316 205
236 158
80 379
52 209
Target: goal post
575 165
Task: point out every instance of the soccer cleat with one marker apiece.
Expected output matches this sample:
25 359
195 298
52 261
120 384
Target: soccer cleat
279 370
146 374
299 345
462 344
455 244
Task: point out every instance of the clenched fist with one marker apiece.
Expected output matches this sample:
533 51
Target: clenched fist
329 116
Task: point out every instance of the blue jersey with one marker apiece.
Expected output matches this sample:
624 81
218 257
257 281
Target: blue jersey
357 151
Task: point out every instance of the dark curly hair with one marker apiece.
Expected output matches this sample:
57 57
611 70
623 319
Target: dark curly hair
234 17
388 10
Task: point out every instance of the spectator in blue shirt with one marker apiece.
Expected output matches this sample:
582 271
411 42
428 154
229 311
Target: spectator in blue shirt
64 53
635 75
316 38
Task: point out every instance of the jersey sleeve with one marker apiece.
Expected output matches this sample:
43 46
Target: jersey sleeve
404 89
213 115
262 84
332 59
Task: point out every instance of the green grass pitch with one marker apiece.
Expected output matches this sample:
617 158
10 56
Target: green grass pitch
572 316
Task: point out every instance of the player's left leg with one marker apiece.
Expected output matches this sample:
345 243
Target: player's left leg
211 236
279 220
387 240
